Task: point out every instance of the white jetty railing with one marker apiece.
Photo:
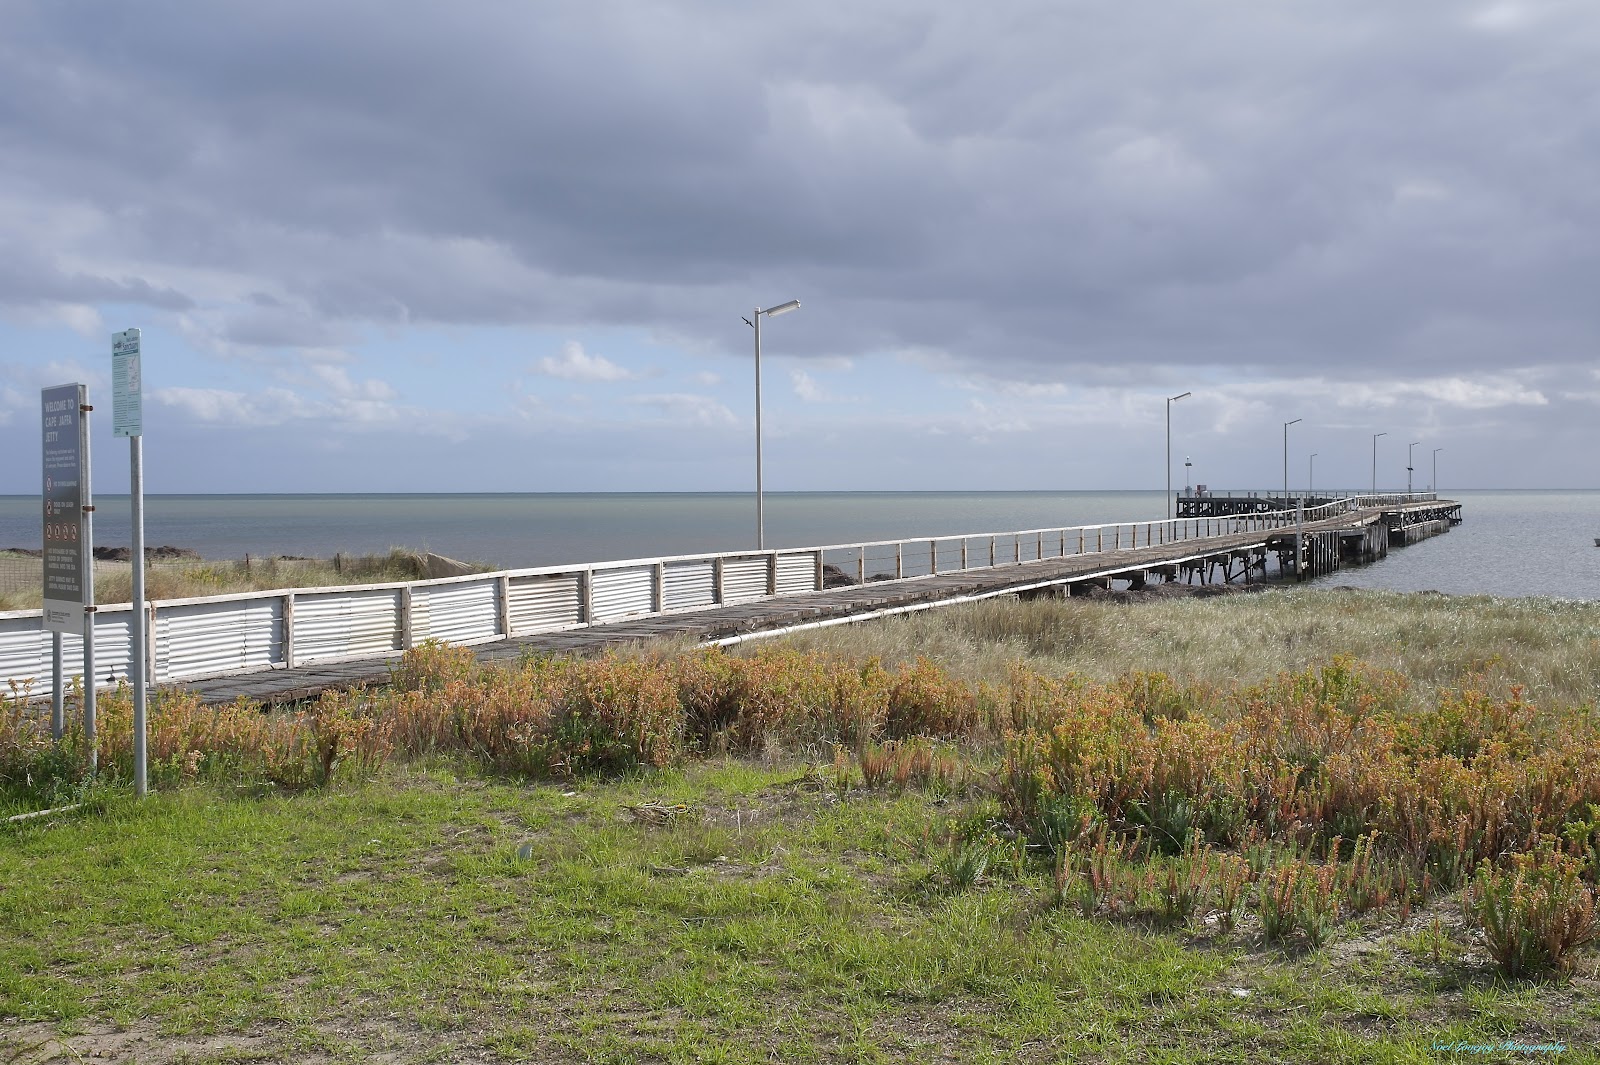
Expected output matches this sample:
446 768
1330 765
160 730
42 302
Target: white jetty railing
251 631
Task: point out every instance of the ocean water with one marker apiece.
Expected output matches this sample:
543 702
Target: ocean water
1512 543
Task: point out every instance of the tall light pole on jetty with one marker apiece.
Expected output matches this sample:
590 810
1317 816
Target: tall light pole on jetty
1286 459
1170 401
1413 444
770 312
1434 485
1375 461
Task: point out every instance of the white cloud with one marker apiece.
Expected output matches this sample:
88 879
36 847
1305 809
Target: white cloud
275 406
807 388
575 364
337 380
221 406
685 408
707 378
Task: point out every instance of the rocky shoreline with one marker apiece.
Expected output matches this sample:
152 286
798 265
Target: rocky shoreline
164 553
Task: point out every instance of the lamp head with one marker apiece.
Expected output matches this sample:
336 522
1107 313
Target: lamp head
782 308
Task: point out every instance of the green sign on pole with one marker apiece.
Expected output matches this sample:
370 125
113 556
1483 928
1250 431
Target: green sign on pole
127 408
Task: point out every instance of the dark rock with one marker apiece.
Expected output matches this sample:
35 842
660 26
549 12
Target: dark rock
164 553
834 577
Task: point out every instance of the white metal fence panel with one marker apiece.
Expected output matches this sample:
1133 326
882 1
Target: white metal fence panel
199 639
24 656
621 593
744 579
797 573
456 613
346 624
546 601
113 647
689 584
25 652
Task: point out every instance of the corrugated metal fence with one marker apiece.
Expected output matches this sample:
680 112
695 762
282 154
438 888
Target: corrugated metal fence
244 632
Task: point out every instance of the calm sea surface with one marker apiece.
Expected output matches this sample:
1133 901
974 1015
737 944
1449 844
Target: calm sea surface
1512 543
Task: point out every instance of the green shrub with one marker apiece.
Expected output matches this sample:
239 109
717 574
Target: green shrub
1533 912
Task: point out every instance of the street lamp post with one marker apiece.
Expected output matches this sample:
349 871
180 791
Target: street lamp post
1375 461
1434 485
1413 444
1311 475
1170 401
755 323
1286 460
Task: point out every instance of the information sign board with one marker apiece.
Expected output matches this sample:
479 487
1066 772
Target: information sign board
65 546
127 407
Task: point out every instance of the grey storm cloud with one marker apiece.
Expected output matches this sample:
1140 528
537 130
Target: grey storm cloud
1025 187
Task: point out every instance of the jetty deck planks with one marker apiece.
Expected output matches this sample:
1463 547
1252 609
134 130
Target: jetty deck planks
1161 561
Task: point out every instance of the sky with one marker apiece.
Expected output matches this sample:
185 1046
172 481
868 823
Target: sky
493 246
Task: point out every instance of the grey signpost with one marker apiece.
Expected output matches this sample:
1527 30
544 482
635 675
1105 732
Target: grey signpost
127 420
69 544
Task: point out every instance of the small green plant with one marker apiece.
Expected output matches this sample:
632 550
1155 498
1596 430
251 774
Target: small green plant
1298 896
1533 912
1233 877
1110 880
1187 881
1170 817
967 860
1066 880
843 770
1583 839
1366 882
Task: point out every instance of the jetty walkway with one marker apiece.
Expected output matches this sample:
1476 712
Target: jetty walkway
294 644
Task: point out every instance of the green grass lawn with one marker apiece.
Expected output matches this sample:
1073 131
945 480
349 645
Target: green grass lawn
437 915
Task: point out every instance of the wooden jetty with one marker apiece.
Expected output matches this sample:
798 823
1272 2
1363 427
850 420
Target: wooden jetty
1314 547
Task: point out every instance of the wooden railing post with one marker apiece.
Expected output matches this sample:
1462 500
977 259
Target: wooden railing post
503 593
288 631
406 641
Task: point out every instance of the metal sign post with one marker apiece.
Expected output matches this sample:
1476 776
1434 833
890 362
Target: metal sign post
127 420
69 542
